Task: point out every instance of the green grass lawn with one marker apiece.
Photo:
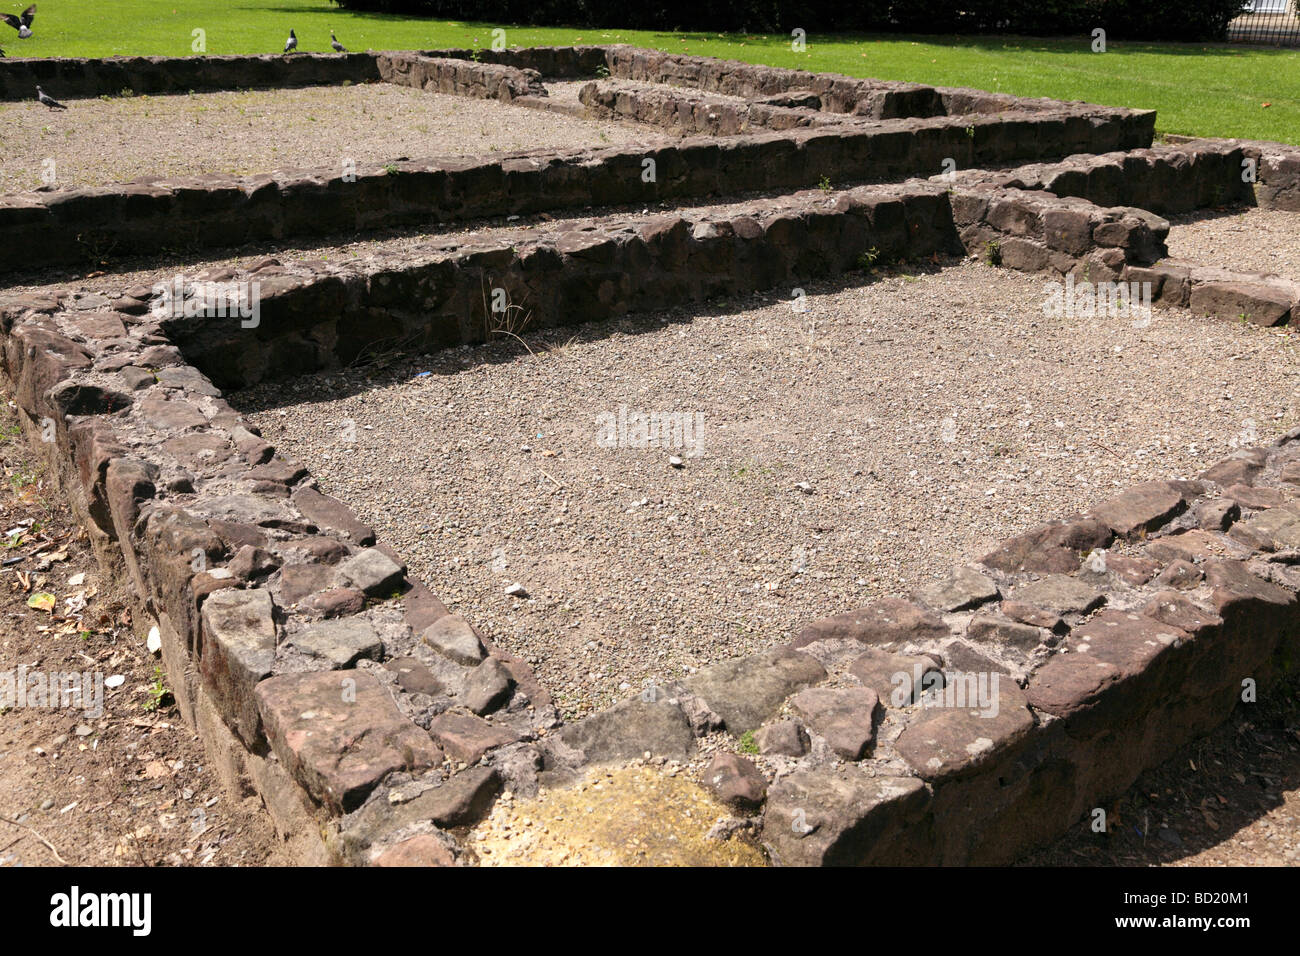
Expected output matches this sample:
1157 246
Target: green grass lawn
1198 90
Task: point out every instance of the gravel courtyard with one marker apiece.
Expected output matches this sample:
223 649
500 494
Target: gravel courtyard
120 139
855 449
1254 240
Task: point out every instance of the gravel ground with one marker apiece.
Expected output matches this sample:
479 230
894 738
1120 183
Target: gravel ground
1257 240
119 139
927 417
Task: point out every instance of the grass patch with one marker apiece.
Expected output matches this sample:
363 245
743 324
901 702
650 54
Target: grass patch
1198 89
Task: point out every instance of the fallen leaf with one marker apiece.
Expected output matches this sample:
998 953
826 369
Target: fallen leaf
42 601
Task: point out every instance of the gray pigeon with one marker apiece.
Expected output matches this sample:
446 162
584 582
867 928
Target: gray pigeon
22 22
291 44
48 100
334 42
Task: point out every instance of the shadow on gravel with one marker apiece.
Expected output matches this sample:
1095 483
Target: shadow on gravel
390 364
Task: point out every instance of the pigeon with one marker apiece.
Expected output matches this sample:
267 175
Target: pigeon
291 44
334 42
48 100
22 22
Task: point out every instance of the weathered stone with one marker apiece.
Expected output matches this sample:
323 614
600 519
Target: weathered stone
489 687
885 621
1239 468
1238 584
846 717
1271 530
840 817
328 512
1069 683
746 691
964 588
414 677
786 738
1177 611
1258 302
736 782
251 562
949 742
468 738
1191 546
960 657
299 580
454 638
1126 640
1034 616
1064 595
373 572
631 728
1141 508
1216 514
238 651
1182 575
1133 571
334 602
420 850
461 800
1052 548
1256 497
340 643
897 678
987 628
338 733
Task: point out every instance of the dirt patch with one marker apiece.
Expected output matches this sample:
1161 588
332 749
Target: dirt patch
850 451
125 138
131 786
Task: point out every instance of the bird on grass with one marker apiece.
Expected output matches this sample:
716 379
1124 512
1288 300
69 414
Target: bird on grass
334 42
291 44
48 100
22 22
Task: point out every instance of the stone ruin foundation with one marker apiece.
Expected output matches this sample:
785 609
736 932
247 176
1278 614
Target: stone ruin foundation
375 725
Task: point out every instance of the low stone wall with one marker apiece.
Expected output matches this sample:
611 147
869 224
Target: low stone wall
72 226
325 315
459 77
696 114
80 78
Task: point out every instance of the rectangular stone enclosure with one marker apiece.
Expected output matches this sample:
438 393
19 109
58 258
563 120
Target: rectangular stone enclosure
323 675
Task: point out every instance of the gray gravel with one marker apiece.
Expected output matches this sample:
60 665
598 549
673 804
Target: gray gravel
1256 240
855 450
120 139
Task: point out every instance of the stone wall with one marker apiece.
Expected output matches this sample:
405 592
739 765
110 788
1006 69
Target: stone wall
80 78
74 226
